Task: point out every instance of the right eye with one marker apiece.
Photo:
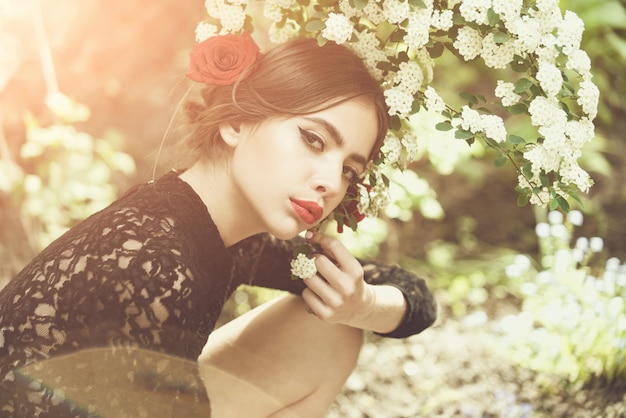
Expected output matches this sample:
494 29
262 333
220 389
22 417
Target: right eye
312 140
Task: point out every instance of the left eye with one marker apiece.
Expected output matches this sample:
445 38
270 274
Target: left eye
350 174
312 140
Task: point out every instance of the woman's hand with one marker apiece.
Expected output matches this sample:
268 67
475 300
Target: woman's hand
338 293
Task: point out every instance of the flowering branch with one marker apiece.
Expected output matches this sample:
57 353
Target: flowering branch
400 40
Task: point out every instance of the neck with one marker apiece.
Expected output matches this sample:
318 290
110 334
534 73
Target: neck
228 210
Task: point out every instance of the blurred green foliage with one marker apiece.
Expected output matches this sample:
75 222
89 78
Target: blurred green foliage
66 175
572 322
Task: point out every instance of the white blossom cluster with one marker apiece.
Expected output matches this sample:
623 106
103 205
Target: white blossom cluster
303 267
546 41
377 197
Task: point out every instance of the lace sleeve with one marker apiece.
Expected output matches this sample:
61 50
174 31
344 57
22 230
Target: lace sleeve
264 261
421 305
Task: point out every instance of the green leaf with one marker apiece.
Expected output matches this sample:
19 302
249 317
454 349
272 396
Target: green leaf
321 41
397 35
468 97
444 126
436 50
518 66
500 161
522 85
500 37
314 25
514 139
359 4
394 122
563 203
522 200
493 17
385 66
463 134
553 204
517 109
418 3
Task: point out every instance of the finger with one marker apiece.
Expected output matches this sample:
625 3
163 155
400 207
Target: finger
315 305
334 250
324 291
337 284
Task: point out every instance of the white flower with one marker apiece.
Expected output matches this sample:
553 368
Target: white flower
379 199
545 111
509 10
596 244
497 55
468 42
417 34
470 120
367 47
550 78
570 32
273 9
303 267
411 146
279 35
572 173
579 132
409 77
392 148
493 126
528 34
540 199
338 28
395 11
374 12
204 31
506 92
364 199
433 101
442 19
427 64
575 217
475 10
231 17
588 95
549 10
399 101
578 60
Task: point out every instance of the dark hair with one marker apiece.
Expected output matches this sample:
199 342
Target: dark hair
295 78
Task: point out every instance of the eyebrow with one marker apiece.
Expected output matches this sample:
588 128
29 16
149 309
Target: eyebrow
336 137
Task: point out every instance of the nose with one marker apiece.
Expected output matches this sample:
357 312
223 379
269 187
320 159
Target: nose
328 179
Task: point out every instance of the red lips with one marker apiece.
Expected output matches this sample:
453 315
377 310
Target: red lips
309 211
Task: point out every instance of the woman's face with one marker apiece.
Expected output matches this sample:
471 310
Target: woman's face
289 173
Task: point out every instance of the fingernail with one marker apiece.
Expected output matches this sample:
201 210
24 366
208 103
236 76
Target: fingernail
308 235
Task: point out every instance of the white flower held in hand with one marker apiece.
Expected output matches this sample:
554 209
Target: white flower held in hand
303 267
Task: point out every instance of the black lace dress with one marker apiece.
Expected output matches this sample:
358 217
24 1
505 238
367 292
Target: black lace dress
150 275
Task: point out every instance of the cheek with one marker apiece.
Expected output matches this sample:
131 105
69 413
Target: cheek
336 201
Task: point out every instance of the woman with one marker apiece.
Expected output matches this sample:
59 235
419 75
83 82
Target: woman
276 142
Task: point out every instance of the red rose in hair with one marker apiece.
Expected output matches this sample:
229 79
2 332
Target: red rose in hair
220 60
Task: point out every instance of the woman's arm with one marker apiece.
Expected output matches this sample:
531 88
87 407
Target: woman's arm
392 301
388 300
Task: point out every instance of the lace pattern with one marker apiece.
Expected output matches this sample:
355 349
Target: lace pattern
150 272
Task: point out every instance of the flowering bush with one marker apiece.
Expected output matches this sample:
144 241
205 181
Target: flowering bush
573 317
71 173
548 77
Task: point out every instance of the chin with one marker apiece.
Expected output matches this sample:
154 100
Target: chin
286 236
288 232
